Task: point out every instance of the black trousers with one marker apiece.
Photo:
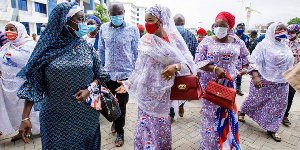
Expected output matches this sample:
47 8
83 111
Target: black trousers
292 92
122 99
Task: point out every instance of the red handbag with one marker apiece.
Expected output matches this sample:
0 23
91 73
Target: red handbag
186 88
220 94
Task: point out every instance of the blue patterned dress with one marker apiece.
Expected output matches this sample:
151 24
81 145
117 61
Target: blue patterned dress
61 65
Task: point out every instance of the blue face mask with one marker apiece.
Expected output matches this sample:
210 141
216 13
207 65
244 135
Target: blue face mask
240 31
180 28
213 31
92 28
82 29
43 29
117 20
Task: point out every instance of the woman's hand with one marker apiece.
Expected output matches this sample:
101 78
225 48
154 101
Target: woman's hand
82 95
121 89
25 130
220 73
169 71
243 72
257 82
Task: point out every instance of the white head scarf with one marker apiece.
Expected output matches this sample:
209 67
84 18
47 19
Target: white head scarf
22 33
272 58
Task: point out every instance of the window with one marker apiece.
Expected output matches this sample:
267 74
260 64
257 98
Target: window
137 9
78 1
13 4
138 14
26 24
22 4
38 28
41 8
137 19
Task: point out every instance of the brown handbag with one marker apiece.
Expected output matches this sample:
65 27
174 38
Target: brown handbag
220 94
186 88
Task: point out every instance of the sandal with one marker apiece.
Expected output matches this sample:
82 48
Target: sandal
241 116
15 138
113 128
120 140
275 136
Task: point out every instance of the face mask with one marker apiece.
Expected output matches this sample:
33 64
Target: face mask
240 31
151 28
92 28
291 36
82 29
43 29
11 36
180 28
117 20
281 34
199 40
220 32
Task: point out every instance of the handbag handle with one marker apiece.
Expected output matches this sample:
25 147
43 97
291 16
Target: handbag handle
189 69
228 77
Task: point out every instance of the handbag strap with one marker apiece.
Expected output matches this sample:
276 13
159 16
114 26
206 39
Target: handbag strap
189 69
228 77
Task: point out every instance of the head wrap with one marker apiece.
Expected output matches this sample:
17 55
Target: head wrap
272 58
293 27
201 31
141 27
241 24
228 17
72 12
163 14
98 21
22 33
54 42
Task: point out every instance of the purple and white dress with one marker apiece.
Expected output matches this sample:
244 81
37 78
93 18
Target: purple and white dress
224 55
271 59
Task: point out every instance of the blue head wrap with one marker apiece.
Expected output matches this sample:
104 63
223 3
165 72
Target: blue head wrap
98 21
55 41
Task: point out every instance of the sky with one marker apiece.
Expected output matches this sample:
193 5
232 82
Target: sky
201 13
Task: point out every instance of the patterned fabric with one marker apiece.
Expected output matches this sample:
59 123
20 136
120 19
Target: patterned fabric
3 39
225 55
190 40
295 46
152 132
293 27
267 105
55 41
13 57
162 13
245 38
69 65
272 58
118 49
74 9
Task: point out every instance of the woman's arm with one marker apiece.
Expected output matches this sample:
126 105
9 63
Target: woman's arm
25 127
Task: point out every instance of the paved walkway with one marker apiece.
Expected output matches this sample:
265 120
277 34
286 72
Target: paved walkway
185 131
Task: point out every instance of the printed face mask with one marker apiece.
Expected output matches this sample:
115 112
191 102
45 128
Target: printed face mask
11 36
220 32
151 28
117 20
281 34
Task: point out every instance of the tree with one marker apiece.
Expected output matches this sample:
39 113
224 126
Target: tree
294 21
101 13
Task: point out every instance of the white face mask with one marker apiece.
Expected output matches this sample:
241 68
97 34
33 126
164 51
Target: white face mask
220 32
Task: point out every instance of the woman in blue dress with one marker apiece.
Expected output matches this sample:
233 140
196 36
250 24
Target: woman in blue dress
57 74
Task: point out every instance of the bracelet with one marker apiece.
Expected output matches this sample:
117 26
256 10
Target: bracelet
214 70
25 119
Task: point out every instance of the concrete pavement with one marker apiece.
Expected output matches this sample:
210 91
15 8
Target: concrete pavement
185 131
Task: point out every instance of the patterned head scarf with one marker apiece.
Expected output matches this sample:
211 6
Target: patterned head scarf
22 33
293 28
75 9
55 41
228 17
162 13
97 20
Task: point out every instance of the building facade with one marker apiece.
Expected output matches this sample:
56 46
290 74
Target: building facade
134 14
33 13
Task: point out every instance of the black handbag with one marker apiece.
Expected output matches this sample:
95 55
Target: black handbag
110 106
